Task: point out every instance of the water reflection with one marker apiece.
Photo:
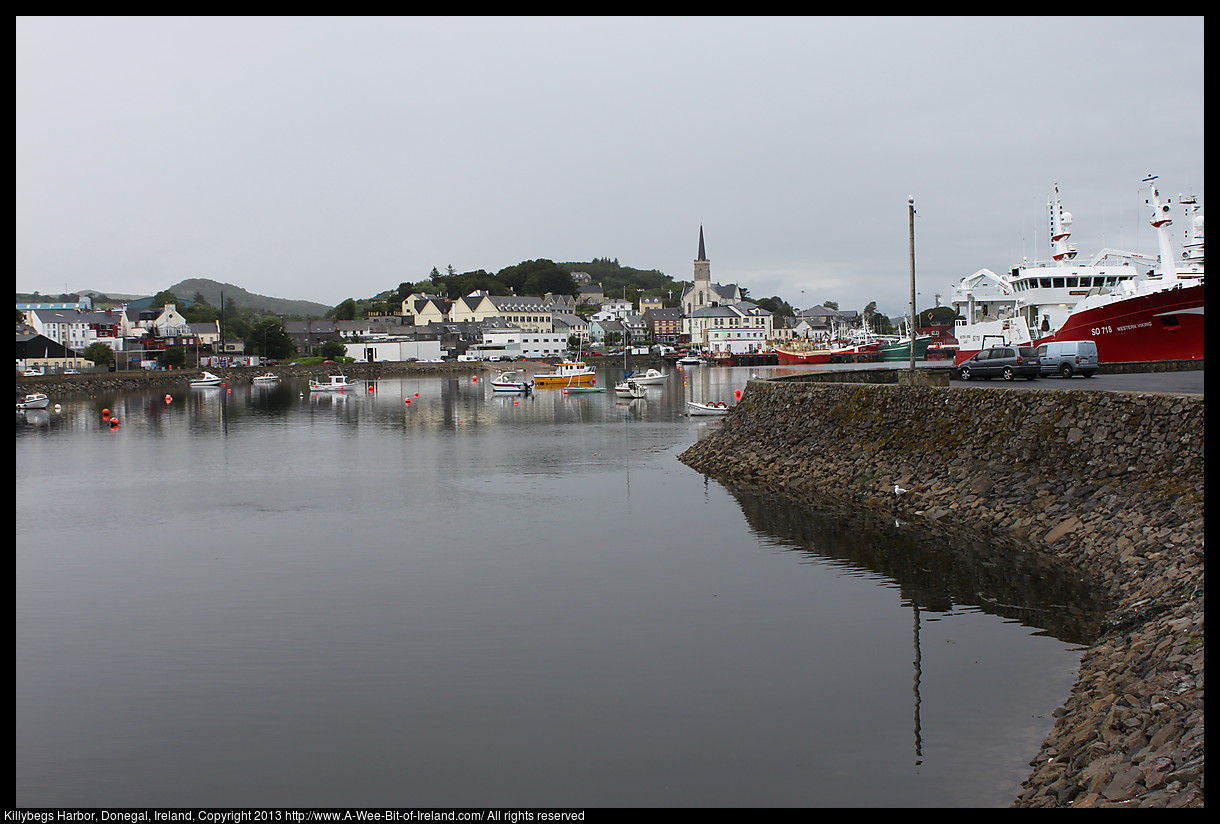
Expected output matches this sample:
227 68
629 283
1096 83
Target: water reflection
934 573
361 600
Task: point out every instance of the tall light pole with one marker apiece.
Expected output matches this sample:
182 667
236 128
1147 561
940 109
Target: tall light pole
911 222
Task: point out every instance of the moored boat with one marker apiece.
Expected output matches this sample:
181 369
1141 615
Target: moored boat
1154 316
652 377
630 389
1135 307
336 383
900 350
511 380
208 379
266 377
709 408
567 374
34 400
799 353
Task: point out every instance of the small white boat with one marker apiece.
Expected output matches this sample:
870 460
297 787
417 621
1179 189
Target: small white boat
689 360
208 379
650 378
35 400
511 381
336 383
630 389
710 408
266 378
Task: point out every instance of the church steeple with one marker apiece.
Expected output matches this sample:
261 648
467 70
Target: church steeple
703 270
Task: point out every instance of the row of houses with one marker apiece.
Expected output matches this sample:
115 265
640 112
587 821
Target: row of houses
431 326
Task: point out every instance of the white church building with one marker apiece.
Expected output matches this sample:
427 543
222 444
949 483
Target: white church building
715 318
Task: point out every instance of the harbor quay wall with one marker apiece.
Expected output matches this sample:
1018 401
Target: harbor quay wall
1108 483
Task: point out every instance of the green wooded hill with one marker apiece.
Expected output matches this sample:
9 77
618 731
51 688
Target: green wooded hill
211 291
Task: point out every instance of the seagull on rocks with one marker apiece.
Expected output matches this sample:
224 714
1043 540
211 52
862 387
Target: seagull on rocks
899 490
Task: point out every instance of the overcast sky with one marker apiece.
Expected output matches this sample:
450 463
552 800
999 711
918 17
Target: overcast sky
327 158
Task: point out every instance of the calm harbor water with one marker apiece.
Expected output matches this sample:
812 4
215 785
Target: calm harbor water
257 596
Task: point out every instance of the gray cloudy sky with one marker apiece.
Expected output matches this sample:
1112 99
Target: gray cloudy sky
327 158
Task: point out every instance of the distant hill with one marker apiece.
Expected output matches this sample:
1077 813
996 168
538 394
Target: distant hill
211 291
187 290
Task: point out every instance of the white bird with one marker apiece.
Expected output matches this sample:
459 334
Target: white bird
899 490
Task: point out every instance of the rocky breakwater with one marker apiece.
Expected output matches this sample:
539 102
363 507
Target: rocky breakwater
1110 483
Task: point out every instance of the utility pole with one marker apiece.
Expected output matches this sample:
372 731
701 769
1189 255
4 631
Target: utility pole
911 221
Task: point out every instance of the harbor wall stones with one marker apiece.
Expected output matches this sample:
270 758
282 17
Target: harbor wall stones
1111 483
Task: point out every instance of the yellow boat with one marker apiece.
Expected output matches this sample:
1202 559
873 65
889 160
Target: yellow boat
566 374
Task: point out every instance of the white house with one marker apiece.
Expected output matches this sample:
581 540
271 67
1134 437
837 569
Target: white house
737 328
614 309
507 340
76 329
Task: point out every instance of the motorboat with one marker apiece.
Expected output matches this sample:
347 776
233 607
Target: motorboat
266 378
652 377
630 389
566 375
336 383
34 400
689 360
208 379
709 408
511 380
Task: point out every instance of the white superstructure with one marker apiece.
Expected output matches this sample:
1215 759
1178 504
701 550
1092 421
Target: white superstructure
1043 292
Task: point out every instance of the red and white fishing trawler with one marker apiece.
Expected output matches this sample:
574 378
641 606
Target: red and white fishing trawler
1136 308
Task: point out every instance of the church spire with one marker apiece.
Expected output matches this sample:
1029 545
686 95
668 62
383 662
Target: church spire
703 270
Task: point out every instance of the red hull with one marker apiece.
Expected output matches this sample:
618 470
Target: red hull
1165 325
789 358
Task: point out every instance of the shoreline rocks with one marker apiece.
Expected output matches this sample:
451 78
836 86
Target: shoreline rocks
1111 483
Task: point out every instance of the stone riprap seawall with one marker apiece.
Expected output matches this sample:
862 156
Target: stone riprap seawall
1110 483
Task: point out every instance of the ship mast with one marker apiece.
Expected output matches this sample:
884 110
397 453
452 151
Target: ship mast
1161 221
1192 252
1061 229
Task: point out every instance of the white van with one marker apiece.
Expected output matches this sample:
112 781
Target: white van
1069 357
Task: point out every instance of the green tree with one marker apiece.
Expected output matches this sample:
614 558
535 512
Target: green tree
537 277
163 298
344 311
200 311
332 349
174 356
99 353
270 339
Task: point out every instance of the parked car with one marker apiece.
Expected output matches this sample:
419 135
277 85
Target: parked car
1007 362
1069 357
